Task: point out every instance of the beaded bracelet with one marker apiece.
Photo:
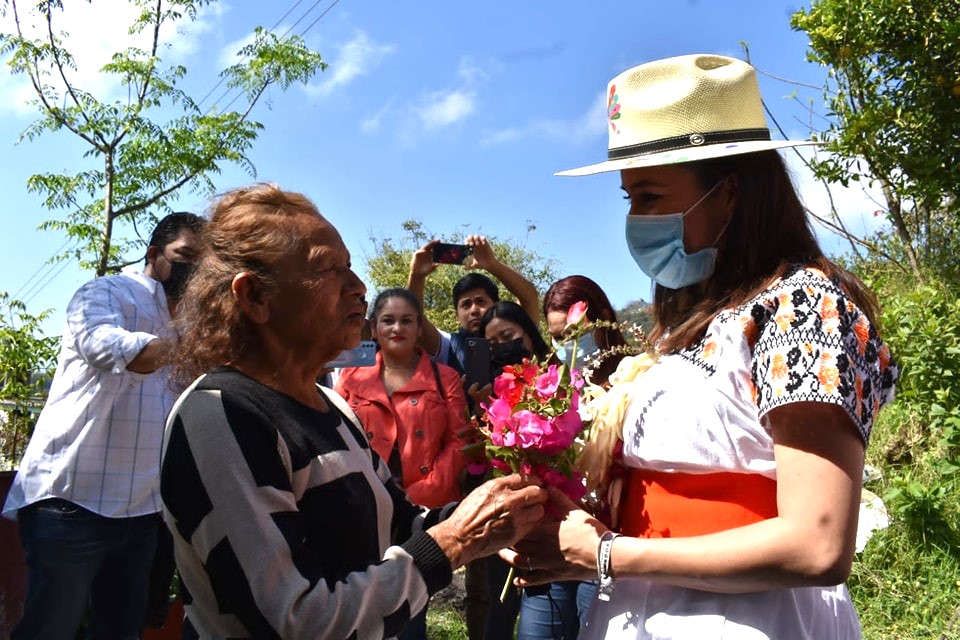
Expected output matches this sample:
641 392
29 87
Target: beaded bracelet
604 549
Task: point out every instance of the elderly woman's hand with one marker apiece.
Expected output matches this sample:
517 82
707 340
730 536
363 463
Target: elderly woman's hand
495 515
563 547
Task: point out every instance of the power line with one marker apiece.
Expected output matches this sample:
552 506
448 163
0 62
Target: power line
325 12
300 19
309 10
50 278
47 265
275 25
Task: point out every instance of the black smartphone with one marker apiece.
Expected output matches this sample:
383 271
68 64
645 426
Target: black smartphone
477 361
451 253
363 355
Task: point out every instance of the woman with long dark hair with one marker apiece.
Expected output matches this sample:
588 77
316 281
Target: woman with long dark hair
744 443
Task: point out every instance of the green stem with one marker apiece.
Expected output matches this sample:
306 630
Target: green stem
506 586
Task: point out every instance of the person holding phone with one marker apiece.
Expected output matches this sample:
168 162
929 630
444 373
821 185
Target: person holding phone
473 294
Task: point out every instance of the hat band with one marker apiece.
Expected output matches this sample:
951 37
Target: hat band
688 141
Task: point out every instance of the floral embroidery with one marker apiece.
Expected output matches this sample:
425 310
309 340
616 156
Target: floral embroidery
809 343
820 348
829 374
785 315
613 107
709 349
830 314
861 328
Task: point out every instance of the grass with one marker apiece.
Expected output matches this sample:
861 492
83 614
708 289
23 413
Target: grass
906 582
445 623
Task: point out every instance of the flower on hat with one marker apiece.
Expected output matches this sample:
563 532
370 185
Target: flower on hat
613 107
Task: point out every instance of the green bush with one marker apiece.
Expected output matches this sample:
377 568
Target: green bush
905 582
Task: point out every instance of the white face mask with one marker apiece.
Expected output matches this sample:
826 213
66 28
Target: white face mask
586 346
656 244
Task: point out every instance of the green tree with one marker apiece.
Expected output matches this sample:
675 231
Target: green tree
146 147
893 99
27 360
389 264
637 312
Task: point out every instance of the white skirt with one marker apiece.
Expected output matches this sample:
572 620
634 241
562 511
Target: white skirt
643 610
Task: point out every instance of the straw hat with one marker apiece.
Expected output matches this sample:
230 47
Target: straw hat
683 109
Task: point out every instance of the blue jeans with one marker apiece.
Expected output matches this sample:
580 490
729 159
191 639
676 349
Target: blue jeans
77 559
556 613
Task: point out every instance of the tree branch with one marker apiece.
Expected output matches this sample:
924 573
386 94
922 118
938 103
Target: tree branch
851 238
63 76
142 93
139 206
34 76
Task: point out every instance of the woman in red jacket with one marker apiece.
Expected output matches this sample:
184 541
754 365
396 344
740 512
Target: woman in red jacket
412 408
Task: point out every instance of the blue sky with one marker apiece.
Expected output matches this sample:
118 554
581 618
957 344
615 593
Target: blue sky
455 114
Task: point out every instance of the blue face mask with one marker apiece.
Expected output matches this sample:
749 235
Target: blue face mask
586 346
656 244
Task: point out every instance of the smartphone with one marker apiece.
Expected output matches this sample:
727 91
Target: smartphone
477 361
363 355
451 253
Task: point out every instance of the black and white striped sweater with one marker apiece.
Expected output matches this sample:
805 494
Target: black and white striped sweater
285 523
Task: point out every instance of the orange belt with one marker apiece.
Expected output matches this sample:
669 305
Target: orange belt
680 505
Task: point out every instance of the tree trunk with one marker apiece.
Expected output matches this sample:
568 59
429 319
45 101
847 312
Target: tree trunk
896 214
104 259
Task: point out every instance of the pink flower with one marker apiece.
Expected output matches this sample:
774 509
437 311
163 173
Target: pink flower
531 429
499 413
576 314
526 468
569 424
500 465
478 468
548 382
576 379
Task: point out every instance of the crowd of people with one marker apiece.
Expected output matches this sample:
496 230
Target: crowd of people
186 427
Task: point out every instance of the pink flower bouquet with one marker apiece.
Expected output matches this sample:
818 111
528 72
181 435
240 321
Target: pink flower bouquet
533 424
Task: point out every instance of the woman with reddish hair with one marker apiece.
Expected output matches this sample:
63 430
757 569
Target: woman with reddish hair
558 299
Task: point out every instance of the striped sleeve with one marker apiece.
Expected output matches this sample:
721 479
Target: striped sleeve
271 549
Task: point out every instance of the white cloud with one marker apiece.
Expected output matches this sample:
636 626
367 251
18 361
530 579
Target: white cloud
230 53
372 123
471 72
355 58
587 127
444 108
95 31
433 109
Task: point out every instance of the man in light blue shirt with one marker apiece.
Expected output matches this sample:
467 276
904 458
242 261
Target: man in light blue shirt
87 494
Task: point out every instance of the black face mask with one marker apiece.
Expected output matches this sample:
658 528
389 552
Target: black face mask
508 353
176 282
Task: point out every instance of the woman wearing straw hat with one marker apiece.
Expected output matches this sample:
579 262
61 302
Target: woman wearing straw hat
744 443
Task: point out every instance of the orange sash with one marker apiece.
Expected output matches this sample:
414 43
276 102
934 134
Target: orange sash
680 505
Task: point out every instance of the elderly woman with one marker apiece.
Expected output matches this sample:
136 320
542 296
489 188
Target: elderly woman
744 443
285 524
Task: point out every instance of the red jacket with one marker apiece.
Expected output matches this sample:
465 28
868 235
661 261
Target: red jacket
423 422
